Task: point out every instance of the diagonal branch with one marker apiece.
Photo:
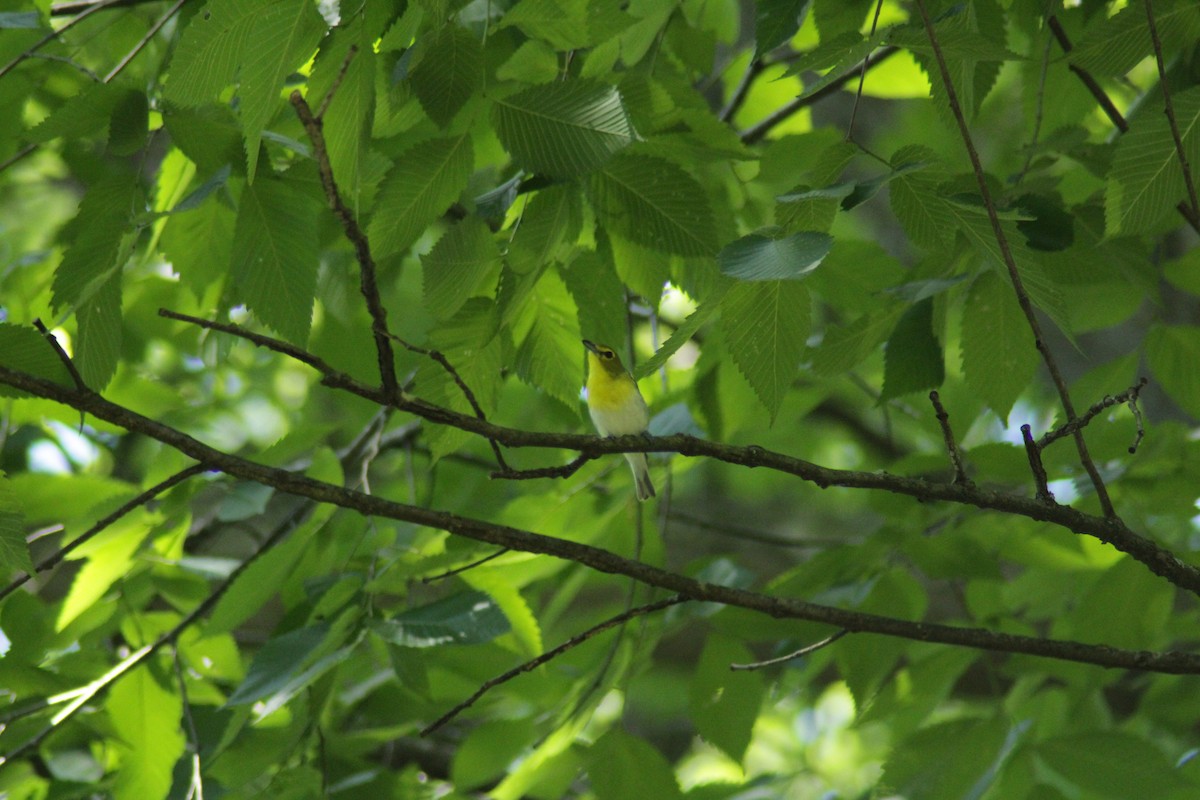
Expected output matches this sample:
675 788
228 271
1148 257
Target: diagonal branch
1010 263
358 238
611 563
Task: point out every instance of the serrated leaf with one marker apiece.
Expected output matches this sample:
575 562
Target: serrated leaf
449 71
918 205
998 352
99 337
109 559
26 350
599 296
845 346
466 618
563 129
14 552
425 180
199 244
95 251
913 358
724 704
621 766
765 325
654 203
129 126
453 269
146 719
517 613
288 662
1146 179
258 43
86 114
952 759
275 255
548 357
776 21
758 257
1112 764
1173 352
550 221
567 24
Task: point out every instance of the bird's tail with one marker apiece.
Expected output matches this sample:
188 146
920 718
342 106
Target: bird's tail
641 475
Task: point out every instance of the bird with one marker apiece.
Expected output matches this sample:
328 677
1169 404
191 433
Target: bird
617 408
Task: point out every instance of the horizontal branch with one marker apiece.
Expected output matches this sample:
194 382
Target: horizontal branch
608 562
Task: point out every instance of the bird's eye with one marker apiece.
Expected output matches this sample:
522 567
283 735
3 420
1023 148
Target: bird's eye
608 353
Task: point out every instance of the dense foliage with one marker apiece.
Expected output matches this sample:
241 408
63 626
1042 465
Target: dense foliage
304 472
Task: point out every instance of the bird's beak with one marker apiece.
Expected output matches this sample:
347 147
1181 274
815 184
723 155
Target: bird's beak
591 346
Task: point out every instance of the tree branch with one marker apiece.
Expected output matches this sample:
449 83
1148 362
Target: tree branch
960 474
357 238
611 563
803 651
1010 263
84 13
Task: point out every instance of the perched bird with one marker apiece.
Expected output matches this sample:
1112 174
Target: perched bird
617 407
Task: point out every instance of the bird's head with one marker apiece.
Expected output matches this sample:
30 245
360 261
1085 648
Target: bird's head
603 357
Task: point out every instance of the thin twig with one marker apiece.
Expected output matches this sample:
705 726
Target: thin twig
753 70
1180 152
1010 263
362 247
459 570
1130 396
54 34
1041 481
440 358
1039 113
17 156
760 129
563 471
1139 422
337 81
960 474
862 75
534 663
803 651
142 499
145 40
196 784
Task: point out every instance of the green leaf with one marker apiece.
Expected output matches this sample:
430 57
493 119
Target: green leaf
599 296
128 129
1114 765
199 244
998 352
654 203
566 24
913 358
26 350
448 72
563 129
765 325
99 338
1173 352
549 224
88 113
288 663
776 22
258 43
146 718
622 767
757 257
456 265
1146 180
952 759
208 135
466 618
425 180
846 346
724 704
549 354
275 255
487 752
98 230
110 558
14 552
918 204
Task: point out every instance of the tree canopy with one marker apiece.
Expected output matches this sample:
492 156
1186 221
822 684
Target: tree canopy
299 497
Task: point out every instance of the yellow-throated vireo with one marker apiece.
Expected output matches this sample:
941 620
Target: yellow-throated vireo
617 407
